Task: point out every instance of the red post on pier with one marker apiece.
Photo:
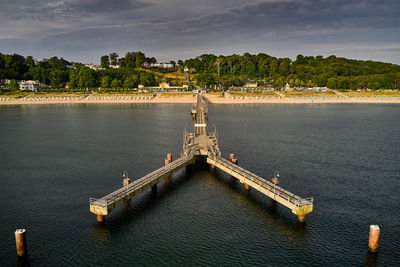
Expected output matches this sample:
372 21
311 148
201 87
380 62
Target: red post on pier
20 241
374 232
169 157
167 161
126 181
233 159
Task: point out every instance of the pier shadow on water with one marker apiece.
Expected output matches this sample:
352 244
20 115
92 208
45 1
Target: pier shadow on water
275 215
127 213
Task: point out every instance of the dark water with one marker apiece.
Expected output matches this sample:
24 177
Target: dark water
54 157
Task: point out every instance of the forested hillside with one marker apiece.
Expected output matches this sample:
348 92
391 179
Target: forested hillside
332 71
208 70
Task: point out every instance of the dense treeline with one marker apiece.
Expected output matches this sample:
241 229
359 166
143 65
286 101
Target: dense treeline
123 77
309 71
210 70
58 73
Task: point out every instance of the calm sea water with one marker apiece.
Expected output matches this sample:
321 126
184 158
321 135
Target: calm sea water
54 157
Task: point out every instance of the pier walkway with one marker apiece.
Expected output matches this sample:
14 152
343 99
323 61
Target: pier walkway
104 205
296 204
198 145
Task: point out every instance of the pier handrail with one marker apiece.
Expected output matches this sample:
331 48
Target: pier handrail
273 188
137 184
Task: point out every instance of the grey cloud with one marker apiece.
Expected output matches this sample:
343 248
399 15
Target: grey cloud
45 10
285 27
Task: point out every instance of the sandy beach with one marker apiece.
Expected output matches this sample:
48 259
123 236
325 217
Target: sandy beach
287 100
191 99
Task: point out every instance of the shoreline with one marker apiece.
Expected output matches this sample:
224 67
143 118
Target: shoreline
212 99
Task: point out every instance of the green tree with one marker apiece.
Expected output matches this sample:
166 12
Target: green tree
131 81
130 59
82 77
140 58
115 84
310 84
105 61
13 85
147 79
106 82
113 59
332 83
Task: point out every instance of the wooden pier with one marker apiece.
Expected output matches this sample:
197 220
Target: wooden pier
197 144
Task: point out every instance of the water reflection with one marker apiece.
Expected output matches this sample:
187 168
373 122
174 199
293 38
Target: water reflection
100 234
370 259
269 211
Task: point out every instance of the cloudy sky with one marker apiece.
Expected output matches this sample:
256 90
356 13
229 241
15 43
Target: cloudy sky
84 30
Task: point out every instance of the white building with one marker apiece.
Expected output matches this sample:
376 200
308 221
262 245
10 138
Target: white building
94 67
30 85
250 85
162 65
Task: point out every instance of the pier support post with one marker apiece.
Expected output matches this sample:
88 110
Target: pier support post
301 218
212 168
374 232
246 187
100 218
154 188
20 242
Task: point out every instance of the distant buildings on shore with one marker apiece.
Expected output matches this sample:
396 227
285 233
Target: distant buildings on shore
163 86
161 65
31 85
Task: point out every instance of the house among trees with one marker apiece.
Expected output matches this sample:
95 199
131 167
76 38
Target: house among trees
161 65
250 85
94 67
30 85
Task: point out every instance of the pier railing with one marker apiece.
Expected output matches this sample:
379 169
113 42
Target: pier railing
273 189
109 201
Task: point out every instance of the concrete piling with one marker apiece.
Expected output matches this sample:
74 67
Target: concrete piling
374 232
20 241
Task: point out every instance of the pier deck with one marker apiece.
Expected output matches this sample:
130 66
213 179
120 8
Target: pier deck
205 144
296 204
104 205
